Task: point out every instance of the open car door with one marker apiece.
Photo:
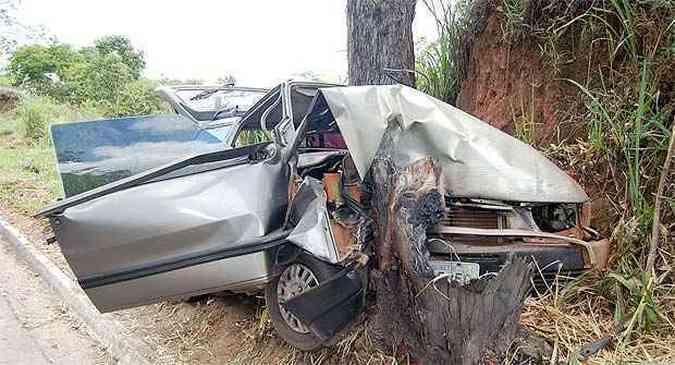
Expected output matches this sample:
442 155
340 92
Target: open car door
199 224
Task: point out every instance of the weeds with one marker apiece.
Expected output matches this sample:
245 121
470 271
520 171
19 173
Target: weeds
439 64
514 15
524 125
628 128
627 49
34 115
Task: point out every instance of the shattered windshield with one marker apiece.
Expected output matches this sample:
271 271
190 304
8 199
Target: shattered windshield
225 102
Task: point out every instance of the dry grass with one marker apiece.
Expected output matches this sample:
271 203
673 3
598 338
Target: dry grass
578 315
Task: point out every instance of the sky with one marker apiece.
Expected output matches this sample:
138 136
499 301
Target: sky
259 42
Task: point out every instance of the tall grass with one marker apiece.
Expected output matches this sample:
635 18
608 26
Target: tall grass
514 15
439 64
35 114
628 128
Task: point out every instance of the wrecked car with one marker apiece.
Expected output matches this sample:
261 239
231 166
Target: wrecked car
290 216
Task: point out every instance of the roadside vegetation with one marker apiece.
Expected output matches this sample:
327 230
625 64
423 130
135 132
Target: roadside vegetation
439 63
617 59
57 83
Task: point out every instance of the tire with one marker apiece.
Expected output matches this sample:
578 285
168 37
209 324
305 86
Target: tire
300 338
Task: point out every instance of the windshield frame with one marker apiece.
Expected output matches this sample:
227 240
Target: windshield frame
181 107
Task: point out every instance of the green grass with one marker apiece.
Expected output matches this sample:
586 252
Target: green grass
439 64
514 14
28 177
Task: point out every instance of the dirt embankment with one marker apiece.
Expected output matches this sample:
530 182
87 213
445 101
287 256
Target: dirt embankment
516 82
505 84
512 85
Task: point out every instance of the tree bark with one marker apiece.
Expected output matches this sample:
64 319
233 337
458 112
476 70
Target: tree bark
438 322
379 36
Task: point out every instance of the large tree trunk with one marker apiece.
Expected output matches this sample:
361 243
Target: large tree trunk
379 36
437 321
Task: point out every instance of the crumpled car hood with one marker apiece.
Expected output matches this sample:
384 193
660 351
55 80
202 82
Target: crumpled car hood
477 160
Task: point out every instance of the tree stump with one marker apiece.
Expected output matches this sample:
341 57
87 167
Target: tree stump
443 322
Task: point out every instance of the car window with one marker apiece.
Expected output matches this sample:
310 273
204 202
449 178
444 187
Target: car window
301 98
252 136
252 133
250 128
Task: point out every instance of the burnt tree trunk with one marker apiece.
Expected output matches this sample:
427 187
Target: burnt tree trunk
438 322
379 36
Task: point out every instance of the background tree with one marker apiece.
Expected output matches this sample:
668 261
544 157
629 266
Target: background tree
379 37
122 47
33 64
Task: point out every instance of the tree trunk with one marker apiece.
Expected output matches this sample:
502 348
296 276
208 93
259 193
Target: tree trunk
438 322
379 36
434 320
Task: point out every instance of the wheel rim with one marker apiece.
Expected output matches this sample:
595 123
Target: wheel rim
295 280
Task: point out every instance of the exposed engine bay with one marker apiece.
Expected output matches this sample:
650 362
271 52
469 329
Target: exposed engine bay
328 208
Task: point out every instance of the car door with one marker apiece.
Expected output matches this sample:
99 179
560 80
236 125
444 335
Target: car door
196 225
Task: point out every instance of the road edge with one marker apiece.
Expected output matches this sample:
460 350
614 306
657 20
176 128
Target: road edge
108 333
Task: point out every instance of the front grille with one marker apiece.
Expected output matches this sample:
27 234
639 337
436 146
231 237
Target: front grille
473 218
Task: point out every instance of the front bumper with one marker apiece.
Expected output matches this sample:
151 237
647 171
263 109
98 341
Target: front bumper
551 259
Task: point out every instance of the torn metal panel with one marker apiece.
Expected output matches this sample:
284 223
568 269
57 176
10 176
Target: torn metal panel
313 231
330 307
477 160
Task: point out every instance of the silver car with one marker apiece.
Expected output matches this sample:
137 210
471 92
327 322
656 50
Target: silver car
290 215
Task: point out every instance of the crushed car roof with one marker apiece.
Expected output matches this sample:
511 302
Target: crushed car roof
477 160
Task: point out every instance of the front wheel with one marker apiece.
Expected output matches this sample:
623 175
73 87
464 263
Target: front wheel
297 277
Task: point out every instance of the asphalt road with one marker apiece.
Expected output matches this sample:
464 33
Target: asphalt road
35 326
